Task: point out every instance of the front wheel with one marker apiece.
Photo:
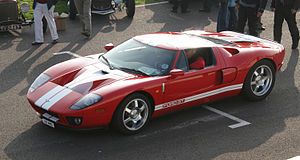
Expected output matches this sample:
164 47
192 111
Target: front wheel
130 8
259 81
132 114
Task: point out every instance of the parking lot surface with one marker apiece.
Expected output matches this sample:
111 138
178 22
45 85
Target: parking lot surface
268 129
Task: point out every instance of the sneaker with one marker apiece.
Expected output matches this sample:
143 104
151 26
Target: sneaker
55 41
87 34
36 43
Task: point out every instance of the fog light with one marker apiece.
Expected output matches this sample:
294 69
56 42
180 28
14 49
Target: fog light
74 121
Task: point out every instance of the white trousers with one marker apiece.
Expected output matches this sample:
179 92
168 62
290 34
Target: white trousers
40 11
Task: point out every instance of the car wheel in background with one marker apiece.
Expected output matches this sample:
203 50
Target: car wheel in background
130 8
132 115
259 81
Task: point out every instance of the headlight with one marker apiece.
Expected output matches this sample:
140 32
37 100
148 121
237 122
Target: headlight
40 80
24 7
86 101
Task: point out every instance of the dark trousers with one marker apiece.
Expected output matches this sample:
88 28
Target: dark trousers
285 14
232 18
250 14
182 3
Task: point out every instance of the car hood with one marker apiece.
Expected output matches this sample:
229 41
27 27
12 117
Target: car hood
91 77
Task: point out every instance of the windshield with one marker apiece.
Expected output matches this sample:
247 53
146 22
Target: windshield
138 58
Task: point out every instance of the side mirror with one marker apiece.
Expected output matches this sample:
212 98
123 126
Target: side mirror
109 46
176 72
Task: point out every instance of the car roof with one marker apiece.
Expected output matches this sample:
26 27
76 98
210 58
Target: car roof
174 41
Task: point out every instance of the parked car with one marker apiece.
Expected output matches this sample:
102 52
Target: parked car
13 18
104 7
154 74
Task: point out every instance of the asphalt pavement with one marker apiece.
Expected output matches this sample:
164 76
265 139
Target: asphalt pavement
195 133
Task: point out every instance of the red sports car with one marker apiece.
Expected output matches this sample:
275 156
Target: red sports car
153 74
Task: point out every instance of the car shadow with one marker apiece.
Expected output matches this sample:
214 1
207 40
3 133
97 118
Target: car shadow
177 135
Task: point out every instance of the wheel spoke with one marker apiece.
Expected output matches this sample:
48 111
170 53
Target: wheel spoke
128 110
256 74
256 88
127 120
262 71
142 108
265 78
253 83
136 104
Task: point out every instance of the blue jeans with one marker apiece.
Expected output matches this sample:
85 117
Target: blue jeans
222 17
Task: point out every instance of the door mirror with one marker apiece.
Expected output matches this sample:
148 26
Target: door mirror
109 46
176 72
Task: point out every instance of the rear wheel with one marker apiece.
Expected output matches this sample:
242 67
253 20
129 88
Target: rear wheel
130 8
132 114
259 81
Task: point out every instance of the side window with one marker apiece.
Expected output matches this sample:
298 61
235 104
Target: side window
181 63
200 58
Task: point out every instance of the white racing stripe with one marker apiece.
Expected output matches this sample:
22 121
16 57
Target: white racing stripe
56 98
48 95
197 97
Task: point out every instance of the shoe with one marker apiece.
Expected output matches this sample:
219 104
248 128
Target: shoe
262 28
87 34
36 43
55 41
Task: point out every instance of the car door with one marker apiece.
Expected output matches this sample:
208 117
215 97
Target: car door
195 85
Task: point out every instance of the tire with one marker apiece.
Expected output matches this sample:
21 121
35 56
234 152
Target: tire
130 8
259 81
132 114
45 25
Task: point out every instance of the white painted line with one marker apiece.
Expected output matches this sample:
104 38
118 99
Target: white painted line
240 123
151 4
295 158
69 53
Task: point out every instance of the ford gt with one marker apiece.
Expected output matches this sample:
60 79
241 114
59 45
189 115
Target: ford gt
154 74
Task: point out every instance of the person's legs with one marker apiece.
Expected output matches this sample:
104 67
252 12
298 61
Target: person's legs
221 22
38 25
232 18
175 6
51 23
87 16
79 7
278 20
242 19
252 21
292 24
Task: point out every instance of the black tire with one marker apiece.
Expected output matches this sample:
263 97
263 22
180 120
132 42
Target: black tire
72 9
130 8
45 25
132 114
259 81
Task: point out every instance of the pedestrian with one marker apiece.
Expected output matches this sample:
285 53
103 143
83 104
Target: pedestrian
286 10
44 8
84 10
182 3
250 10
232 15
222 16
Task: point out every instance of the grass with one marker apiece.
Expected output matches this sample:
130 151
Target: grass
61 6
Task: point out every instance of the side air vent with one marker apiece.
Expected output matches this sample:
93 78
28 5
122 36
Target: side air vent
232 51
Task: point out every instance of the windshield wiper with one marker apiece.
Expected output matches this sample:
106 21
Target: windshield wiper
108 63
133 70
